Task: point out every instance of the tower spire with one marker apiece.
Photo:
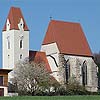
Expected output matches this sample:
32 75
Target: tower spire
14 17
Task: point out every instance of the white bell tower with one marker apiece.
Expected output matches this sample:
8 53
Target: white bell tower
15 39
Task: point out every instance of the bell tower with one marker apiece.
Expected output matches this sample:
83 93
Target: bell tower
15 39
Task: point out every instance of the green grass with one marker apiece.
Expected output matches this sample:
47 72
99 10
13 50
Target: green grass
93 97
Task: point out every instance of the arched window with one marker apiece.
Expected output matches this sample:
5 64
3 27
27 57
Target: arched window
8 42
67 70
21 44
84 73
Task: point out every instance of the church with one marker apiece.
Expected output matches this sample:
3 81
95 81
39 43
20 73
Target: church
69 54
65 49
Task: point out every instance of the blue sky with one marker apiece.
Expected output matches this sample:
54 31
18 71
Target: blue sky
37 15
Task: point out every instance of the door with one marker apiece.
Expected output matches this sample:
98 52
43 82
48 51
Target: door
1 91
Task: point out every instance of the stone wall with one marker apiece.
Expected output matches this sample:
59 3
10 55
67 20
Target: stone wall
76 63
58 62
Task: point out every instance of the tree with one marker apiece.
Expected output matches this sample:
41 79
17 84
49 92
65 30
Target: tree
31 77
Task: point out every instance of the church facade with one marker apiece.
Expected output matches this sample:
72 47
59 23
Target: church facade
65 49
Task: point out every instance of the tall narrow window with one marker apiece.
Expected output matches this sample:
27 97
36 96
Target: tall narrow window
84 73
21 44
20 56
67 71
1 80
8 56
8 42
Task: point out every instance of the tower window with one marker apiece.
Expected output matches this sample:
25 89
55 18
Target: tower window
21 44
8 42
20 56
8 56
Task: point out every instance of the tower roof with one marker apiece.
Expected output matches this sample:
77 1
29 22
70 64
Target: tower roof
69 37
14 18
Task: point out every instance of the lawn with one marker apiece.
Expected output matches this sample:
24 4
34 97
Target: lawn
52 98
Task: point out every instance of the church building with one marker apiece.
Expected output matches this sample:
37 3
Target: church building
65 49
69 54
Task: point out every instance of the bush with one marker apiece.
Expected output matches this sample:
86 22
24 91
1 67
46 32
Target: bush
74 88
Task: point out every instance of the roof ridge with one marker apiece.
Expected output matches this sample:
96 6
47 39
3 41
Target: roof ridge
65 21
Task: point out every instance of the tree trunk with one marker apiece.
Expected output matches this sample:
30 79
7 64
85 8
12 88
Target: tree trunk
33 93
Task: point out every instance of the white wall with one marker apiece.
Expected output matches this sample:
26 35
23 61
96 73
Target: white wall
52 49
25 50
8 64
14 51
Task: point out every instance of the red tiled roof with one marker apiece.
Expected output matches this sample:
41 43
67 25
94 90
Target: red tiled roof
14 17
69 37
38 56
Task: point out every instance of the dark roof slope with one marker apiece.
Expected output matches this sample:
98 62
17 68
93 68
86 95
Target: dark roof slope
69 37
14 17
